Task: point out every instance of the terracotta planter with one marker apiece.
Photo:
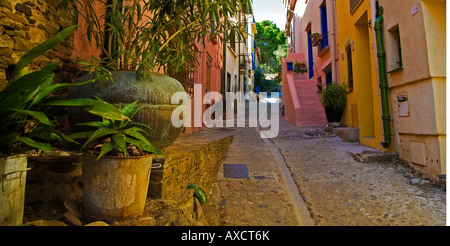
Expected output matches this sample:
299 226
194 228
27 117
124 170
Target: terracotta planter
12 189
154 93
115 188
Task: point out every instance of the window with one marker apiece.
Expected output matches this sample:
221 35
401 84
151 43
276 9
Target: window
229 82
348 51
324 27
395 49
328 76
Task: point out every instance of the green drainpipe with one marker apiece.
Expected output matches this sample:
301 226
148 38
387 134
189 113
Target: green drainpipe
383 80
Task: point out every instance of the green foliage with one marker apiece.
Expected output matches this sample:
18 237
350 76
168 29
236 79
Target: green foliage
270 39
265 84
334 96
116 135
300 67
314 35
280 53
147 35
26 121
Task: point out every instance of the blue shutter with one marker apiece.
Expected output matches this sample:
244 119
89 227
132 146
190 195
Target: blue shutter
324 26
310 56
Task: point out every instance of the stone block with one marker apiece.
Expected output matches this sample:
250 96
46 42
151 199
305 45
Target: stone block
348 134
6 41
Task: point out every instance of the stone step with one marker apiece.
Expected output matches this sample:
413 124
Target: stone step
307 93
368 156
312 113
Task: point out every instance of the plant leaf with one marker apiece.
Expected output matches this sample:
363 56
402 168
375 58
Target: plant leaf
144 145
134 132
95 124
36 114
80 135
119 139
30 142
30 82
97 107
40 49
99 133
10 138
56 87
108 147
129 110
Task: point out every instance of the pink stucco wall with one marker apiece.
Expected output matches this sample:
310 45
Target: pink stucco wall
290 101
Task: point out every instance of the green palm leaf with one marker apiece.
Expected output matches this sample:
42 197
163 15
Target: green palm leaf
36 114
97 107
40 49
34 144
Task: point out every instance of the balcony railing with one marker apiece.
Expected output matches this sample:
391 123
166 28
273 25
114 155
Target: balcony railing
354 4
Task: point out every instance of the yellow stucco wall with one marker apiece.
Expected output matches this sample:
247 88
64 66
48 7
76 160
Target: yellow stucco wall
364 104
420 134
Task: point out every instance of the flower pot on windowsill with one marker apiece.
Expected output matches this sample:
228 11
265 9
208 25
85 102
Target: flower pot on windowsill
316 41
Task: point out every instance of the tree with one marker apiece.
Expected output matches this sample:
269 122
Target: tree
268 39
280 53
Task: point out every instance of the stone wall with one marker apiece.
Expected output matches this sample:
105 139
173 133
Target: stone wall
26 23
198 166
54 184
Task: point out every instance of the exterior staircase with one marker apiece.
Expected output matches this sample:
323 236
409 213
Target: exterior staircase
312 112
301 102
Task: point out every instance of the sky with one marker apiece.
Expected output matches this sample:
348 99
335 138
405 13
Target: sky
274 10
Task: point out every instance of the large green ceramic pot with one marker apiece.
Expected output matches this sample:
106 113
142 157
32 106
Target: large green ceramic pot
154 92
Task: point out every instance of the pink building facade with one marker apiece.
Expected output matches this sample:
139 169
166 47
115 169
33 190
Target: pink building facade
300 95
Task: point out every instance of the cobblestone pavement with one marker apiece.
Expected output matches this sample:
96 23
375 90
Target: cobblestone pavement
335 189
260 200
341 191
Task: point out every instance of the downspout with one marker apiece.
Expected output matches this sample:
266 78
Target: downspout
224 53
239 54
383 80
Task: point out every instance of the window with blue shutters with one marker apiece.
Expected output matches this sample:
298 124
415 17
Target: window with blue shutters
324 27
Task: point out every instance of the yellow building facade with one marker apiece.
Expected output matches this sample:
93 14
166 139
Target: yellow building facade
415 42
413 50
358 68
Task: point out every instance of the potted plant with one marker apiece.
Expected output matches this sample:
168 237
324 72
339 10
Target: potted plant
316 38
116 165
27 123
334 101
138 37
300 68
